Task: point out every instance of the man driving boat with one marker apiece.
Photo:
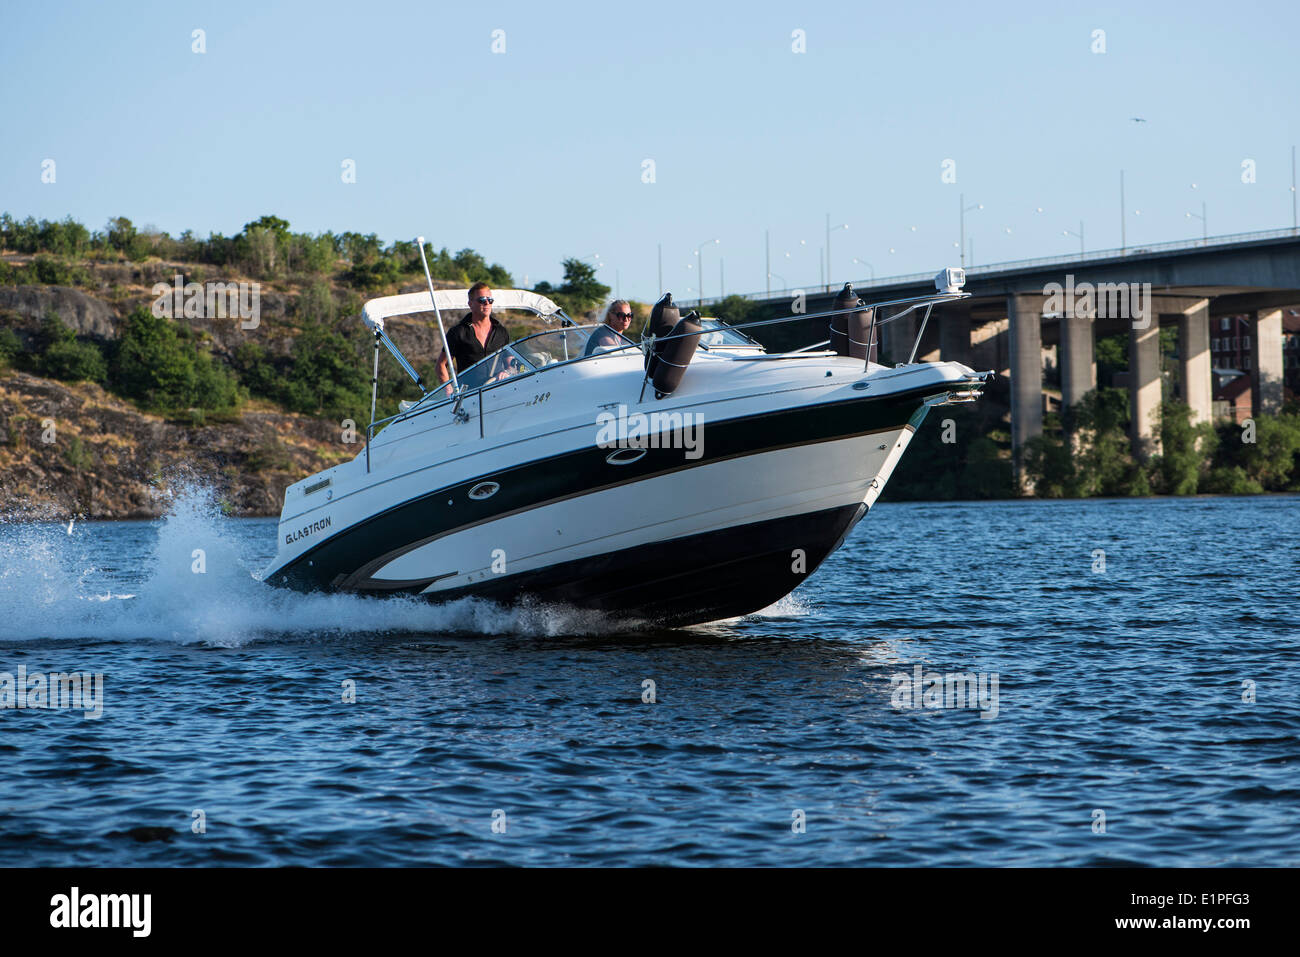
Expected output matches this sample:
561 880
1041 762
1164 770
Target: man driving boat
476 336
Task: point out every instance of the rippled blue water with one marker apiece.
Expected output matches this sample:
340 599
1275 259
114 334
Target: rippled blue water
1119 691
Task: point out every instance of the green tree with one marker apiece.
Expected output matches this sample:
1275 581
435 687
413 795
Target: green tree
988 472
373 275
328 376
53 331
53 271
10 347
316 303
1183 448
258 373
357 248
1049 464
120 234
733 309
1271 459
1111 353
1104 460
279 227
165 371
314 255
581 290
75 362
1229 480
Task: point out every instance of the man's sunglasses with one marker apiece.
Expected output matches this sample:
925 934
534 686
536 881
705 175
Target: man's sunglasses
485 300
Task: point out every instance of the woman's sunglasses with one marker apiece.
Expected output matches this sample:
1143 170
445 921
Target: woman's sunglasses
622 315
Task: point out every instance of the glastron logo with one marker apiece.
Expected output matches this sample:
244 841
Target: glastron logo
103 910
312 529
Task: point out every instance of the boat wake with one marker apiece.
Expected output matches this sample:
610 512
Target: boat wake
192 577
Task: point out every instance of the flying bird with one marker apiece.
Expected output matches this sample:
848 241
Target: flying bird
1137 119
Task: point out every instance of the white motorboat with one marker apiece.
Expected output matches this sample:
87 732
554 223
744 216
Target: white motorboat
707 486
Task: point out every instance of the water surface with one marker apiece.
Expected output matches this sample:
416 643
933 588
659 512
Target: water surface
1119 691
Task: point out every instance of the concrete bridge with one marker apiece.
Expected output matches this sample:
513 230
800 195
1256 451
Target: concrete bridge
1020 313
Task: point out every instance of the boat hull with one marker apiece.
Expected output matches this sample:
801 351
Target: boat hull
707 576
665 539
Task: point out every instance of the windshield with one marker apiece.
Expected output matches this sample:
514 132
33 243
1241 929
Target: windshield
526 355
574 342
502 364
721 334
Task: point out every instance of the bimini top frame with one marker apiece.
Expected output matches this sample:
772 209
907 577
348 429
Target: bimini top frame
375 312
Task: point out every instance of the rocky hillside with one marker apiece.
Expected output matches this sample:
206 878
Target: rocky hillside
74 449
104 400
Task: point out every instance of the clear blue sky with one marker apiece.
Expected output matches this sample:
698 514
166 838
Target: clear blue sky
536 154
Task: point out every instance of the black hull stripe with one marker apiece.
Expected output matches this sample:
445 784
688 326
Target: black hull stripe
347 559
685 581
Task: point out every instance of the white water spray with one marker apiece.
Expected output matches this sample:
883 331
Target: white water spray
192 578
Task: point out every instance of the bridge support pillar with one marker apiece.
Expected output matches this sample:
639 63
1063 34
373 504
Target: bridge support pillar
1078 363
1025 313
954 332
1145 385
1194 360
900 335
1266 363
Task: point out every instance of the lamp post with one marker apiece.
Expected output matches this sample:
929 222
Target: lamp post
700 257
767 258
775 275
964 210
1123 238
1071 232
1294 224
829 227
1205 232
787 255
863 262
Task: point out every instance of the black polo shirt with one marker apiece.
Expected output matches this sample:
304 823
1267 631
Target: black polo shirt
464 344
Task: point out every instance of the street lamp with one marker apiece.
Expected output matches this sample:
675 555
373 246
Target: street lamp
787 255
863 262
699 255
829 227
1070 232
1205 232
775 275
964 210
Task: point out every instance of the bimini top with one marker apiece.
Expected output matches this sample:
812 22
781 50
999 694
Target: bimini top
377 310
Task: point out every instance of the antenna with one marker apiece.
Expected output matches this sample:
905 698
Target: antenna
446 349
